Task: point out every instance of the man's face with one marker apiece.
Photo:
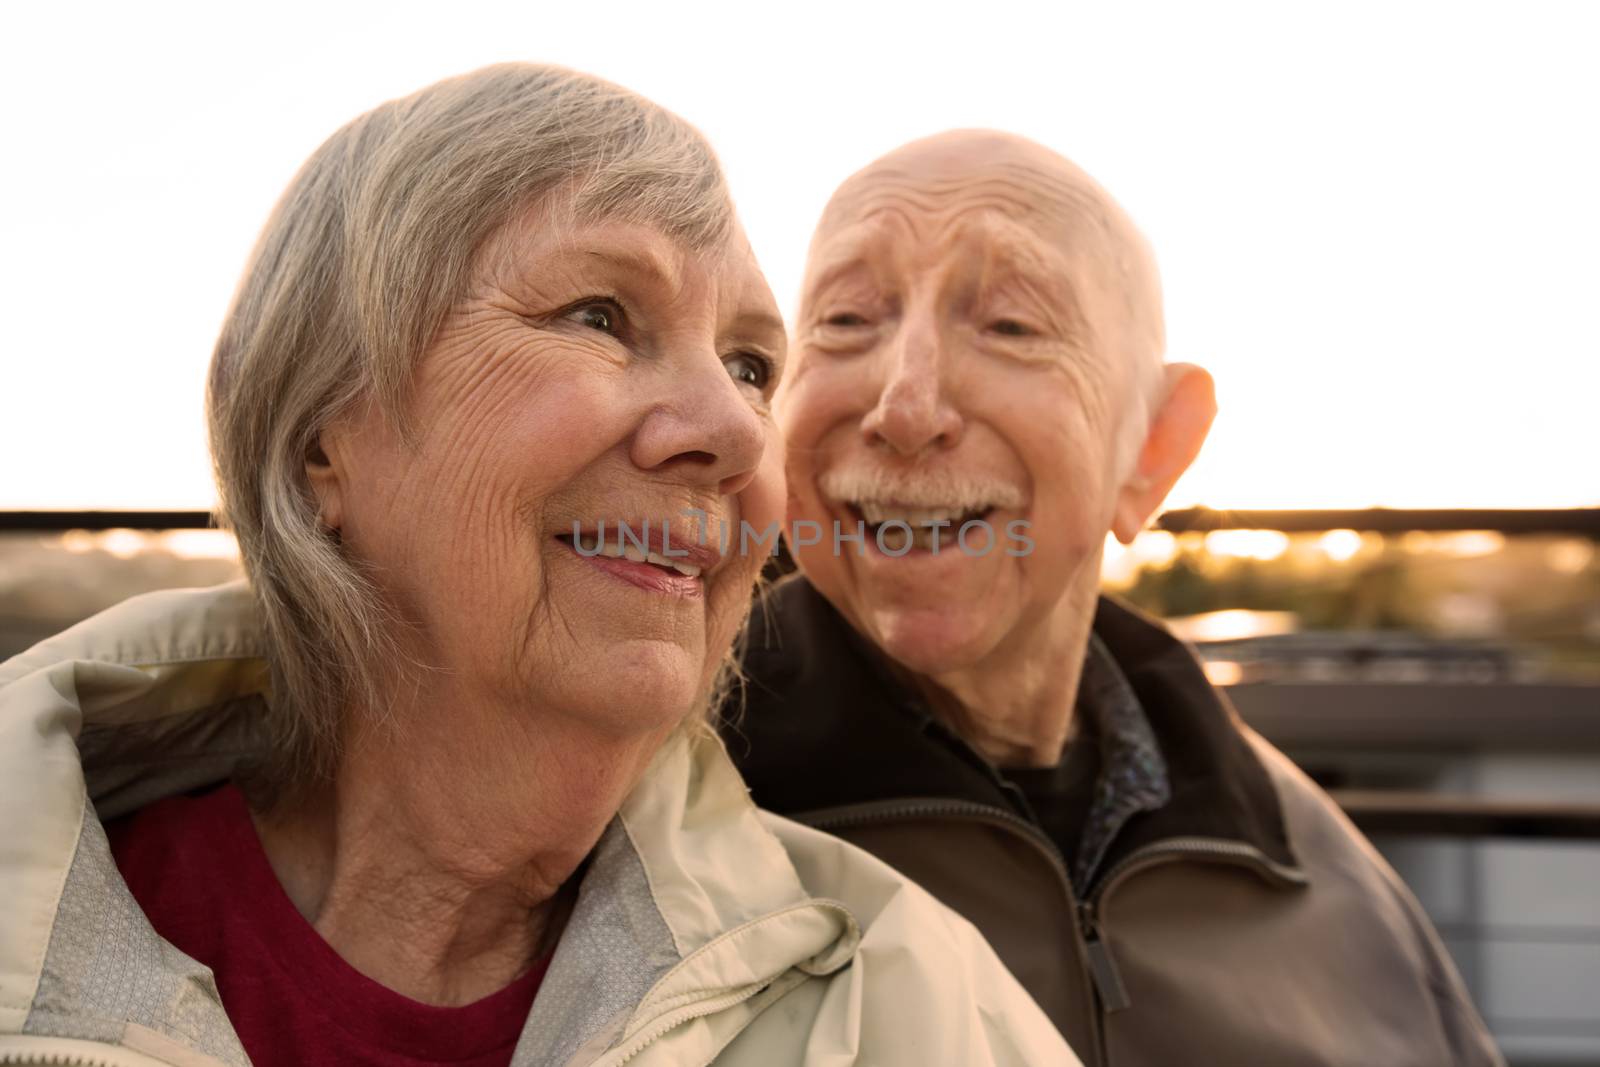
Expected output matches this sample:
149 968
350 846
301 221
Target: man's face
956 361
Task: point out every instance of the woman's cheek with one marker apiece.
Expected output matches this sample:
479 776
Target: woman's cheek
763 500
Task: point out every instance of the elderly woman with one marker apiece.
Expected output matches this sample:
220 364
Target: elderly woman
433 787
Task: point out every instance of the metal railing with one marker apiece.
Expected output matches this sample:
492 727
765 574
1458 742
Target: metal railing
1387 520
1182 520
1389 812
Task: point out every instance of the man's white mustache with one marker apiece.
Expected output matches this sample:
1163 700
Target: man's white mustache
920 489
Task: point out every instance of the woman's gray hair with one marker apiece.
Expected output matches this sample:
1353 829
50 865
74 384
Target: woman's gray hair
363 256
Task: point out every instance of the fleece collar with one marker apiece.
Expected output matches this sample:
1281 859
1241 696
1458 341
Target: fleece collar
818 695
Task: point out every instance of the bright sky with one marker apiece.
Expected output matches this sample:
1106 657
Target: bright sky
1378 224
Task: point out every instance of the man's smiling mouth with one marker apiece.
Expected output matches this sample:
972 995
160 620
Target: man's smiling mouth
899 527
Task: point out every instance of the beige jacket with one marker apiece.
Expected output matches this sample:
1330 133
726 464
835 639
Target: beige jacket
705 931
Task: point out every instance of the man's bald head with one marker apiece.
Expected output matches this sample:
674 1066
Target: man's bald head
1031 184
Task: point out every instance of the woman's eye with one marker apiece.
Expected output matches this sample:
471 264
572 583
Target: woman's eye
602 315
845 318
1009 328
749 369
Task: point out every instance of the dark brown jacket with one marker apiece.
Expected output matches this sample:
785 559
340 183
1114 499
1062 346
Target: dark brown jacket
1244 922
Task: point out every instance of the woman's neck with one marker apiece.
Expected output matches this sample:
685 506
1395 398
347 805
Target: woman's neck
436 861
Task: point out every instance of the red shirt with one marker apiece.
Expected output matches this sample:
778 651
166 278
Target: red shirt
196 867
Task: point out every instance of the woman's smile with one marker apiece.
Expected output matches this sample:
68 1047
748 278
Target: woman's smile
644 573
646 554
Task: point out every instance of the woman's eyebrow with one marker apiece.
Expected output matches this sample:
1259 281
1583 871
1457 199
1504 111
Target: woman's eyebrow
758 325
645 261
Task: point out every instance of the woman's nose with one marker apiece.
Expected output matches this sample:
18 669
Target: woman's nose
703 429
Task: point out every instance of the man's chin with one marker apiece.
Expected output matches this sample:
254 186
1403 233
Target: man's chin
927 641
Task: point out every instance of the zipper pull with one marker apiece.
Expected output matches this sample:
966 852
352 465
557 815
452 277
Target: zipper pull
1102 968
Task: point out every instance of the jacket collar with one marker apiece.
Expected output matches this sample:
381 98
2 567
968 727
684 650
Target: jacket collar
163 693
819 696
1133 774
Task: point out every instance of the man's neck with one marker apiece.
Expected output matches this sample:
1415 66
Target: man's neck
1016 706
435 863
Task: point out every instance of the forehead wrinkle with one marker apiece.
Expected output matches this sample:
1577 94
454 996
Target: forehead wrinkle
943 210
1013 187
1010 256
861 247
828 265
1006 244
1105 250
911 199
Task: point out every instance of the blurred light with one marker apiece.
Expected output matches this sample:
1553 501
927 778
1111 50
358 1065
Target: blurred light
1468 615
1155 548
1570 556
199 544
1469 544
1247 544
78 541
1416 542
1223 672
122 543
1117 565
1120 564
1340 545
1235 624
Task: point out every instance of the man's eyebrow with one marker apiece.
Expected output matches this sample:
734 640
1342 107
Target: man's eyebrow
1046 271
1008 244
842 261
1011 250
1049 274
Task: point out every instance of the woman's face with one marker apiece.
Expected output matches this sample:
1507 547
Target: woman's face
594 372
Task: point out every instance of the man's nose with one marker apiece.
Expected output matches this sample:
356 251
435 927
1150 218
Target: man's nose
914 410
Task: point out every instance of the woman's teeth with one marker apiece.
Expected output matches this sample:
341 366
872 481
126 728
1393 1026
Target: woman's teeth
591 545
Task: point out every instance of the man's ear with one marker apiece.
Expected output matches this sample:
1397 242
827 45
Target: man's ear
1177 430
325 477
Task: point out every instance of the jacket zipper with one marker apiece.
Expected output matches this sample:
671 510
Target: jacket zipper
54 1059
1108 979
865 815
1104 975
1102 966
678 1018
1192 848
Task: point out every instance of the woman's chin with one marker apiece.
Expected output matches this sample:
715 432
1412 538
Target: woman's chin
636 687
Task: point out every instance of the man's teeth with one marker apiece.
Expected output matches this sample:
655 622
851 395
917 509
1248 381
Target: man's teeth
930 528
916 518
592 546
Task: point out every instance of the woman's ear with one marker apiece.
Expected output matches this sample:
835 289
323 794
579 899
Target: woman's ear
1178 429
325 477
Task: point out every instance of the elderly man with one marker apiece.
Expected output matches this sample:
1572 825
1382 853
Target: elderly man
978 395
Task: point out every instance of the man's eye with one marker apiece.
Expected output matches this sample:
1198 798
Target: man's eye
747 368
1010 328
845 318
602 315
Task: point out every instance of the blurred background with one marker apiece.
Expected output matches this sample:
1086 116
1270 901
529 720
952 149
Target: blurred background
1377 226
